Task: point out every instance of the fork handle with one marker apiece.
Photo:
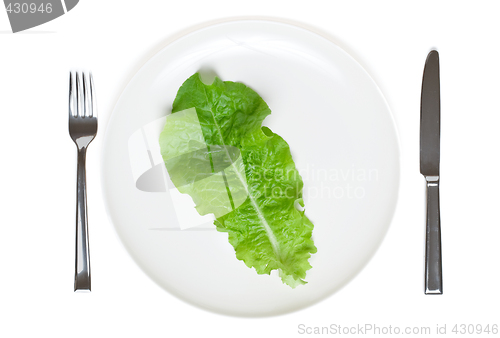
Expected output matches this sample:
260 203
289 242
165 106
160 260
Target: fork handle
82 255
433 261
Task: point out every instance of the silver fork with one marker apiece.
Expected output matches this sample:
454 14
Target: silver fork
82 129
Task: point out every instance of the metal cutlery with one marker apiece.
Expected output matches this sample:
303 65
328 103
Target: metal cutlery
430 119
82 129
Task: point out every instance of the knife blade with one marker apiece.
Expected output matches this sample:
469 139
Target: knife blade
430 117
430 120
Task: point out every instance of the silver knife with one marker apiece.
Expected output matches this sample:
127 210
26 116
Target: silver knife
430 116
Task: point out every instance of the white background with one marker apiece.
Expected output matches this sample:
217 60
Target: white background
114 38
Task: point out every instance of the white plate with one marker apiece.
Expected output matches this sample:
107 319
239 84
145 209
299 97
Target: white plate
343 141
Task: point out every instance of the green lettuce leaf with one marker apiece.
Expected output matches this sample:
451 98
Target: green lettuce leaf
216 150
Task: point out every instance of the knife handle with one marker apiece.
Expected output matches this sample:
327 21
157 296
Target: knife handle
433 260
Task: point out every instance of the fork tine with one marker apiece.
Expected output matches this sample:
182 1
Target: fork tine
78 96
85 90
93 106
71 103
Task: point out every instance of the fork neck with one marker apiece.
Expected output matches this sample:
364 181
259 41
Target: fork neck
83 142
82 155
